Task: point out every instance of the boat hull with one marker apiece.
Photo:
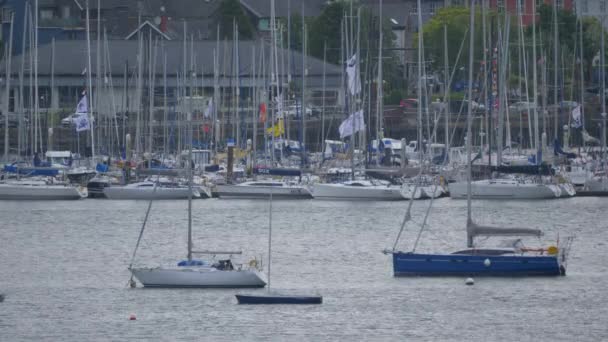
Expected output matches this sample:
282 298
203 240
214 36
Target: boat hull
503 190
40 192
202 277
412 264
278 299
356 193
255 192
161 193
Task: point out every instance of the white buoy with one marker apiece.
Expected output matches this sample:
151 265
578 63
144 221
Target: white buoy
487 263
469 281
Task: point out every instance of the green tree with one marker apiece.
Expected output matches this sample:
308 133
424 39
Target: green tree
228 12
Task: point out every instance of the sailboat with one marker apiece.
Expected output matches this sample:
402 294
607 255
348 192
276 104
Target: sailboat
273 297
197 273
516 261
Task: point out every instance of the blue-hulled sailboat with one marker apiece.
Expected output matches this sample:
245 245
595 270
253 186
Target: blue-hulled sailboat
481 261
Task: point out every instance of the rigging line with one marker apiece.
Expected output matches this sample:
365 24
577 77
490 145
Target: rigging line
143 226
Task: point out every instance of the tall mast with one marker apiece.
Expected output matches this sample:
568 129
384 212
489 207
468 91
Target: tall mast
555 64
379 88
21 138
36 104
189 167
419 81
89 85
537 145
603 89
323 99
469 120
303 102
446 77
9 55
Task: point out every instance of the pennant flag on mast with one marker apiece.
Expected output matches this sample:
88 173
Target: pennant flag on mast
82 116
576 117
354 80
353 124
83 104
263 112
209 108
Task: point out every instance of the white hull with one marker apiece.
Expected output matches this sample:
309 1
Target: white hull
354 193
489 189
240 191
197 277
596 184
148 193
10 191
422 192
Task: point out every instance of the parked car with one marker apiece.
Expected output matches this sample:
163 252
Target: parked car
13 120
565 105
70 120
296 110
522 106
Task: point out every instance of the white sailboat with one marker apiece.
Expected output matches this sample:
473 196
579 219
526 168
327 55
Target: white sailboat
32 189
148 190
504 188
195 273
358 190
262 189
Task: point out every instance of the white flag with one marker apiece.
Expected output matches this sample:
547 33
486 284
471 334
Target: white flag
354 79
353 124
83 105
576 117
209 108
82 122
279 100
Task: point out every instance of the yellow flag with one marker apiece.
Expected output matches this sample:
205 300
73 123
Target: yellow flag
278 129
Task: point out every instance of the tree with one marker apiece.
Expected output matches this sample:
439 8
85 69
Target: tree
229 11
327 29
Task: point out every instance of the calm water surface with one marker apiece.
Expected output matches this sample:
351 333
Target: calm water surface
63 268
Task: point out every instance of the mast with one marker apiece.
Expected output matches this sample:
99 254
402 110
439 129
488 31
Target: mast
537 145
36 104
189 168
603 88
303 101
446 77
9 55
555 63
469 119
419 81
379 88
323 99
90 86
21 136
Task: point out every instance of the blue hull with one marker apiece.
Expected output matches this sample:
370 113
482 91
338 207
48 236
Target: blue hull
411 264
269 299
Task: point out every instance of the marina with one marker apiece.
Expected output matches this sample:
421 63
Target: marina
341 170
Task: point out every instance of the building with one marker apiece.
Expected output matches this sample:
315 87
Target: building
593 8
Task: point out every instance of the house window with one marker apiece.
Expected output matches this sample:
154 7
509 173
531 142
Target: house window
46 13
68 96
264 24
6 15
433 6
44 97
414 8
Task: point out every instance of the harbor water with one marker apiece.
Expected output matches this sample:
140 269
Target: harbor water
64 272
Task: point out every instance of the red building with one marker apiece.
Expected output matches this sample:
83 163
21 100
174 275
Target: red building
511 6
